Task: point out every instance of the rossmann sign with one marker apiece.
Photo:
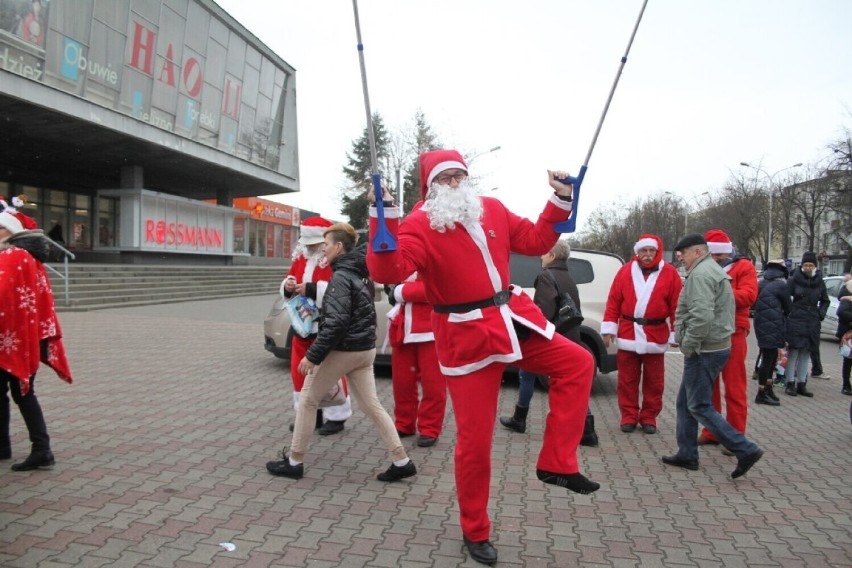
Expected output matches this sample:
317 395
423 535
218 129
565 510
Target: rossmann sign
182 66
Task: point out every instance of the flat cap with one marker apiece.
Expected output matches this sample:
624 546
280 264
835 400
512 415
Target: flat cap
690 240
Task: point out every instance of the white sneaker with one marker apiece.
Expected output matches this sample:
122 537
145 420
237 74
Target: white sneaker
823 376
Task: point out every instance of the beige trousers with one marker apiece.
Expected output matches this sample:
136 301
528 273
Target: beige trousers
358 368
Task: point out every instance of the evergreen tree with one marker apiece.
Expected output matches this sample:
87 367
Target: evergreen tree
358 170
422 139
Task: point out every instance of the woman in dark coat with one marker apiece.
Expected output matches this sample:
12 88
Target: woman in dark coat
844 328
810 304
771 309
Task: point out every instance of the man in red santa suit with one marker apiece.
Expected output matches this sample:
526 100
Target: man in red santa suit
459 244
744 284
413 361
29 332
308 276
639 317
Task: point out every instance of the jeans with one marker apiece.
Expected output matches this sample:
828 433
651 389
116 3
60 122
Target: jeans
694 406
526 386
798 361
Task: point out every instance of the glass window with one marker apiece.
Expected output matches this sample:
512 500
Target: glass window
107 221
54 197
798 241
240 234
80 222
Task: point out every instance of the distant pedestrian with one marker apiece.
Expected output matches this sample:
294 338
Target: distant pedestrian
29 333
810 304
639 317
817 371
345 345
704 326
844 332
771 309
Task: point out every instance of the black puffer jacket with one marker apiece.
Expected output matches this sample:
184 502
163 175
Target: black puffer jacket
810 303
545 293
348 314
844 312
33 242
772 307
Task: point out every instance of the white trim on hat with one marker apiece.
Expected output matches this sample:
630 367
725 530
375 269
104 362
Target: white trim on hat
313 231
11 223
441 167
720 248
646 242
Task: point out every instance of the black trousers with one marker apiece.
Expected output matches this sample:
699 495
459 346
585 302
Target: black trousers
816 363
768 360
30 411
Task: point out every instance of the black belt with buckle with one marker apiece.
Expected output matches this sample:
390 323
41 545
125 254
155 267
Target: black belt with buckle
645 321
498 299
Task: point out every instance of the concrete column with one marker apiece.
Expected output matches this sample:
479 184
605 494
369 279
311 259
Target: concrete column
132 177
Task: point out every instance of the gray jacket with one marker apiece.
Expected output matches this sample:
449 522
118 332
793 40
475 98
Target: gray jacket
704 320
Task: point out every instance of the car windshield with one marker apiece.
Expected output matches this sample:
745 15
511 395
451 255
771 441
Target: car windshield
524 270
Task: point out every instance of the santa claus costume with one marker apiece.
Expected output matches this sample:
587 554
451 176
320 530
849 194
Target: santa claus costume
311 268
29 332
640 313
414 361
482 323
744 284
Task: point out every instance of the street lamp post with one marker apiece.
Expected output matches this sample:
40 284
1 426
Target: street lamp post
686 206
771 177
475 156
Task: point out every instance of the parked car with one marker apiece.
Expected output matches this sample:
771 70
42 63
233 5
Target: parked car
593 272
829 324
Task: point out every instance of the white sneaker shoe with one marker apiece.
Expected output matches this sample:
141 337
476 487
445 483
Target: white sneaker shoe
822 376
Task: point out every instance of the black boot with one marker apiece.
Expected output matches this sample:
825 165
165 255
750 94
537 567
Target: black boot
35 460
801 390
770 392
590 437
331 427
790 389
318 423
518 422
763 398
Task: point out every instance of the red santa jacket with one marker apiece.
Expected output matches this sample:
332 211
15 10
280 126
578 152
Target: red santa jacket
634 296
27 317
744 284
411 318
306 270
470 264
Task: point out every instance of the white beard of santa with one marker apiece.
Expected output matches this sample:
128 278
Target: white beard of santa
445 206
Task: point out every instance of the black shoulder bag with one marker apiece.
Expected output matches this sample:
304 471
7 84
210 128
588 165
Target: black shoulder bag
568 315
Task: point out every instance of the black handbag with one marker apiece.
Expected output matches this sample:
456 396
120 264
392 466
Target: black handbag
568 315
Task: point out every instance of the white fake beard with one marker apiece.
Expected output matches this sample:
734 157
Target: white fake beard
446 206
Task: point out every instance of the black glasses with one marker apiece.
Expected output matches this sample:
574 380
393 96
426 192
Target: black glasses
445 179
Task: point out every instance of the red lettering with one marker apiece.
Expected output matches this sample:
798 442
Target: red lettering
192 77
168 67
170 234
149 230
161 232
190 234
179 235
217 238
143 44
231 103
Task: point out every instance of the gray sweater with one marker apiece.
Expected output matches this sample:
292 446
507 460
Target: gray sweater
704 320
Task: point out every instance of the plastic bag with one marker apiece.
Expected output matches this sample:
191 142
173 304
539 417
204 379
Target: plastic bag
334 397
303 314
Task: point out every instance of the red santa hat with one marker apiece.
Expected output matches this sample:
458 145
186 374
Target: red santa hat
718 242
653 241
16 222
312 230
436 161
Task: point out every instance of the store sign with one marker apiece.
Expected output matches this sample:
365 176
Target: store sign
179 234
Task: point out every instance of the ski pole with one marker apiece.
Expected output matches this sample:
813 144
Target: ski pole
570 225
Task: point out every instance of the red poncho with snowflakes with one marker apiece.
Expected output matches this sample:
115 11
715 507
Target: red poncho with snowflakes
27 316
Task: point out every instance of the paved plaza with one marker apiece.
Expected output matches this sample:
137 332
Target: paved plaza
162 440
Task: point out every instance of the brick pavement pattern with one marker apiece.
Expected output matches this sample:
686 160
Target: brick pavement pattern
161 445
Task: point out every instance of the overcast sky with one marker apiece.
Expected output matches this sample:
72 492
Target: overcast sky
708 84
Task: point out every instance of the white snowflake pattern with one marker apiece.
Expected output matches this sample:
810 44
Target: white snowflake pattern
9 342
48 328
42 283
27 298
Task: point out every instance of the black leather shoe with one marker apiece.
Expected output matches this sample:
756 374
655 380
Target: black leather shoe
745 463
627 428
790 389
649 428
677 461
404 434
331 427
426 441
395 473
802 390
34 461
284 469
576 482
483 552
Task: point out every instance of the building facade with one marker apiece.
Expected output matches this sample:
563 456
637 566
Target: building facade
135 127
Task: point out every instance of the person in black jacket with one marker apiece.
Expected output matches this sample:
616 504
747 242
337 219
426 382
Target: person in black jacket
844 331
554 272
810 304
771 309
345 345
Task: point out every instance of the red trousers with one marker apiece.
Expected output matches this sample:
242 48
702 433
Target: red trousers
474 397
736 386
413 363
650 370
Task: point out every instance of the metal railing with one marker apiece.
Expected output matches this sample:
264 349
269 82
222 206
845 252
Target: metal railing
66 254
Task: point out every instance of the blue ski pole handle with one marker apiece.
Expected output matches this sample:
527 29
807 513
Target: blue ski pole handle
570 225
383 240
